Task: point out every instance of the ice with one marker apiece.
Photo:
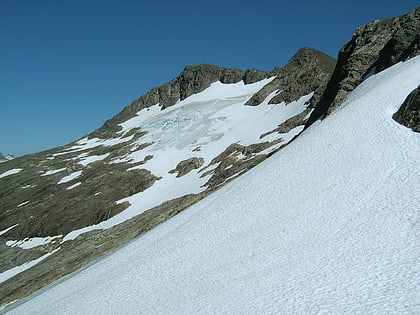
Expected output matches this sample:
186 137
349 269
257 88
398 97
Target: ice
328 225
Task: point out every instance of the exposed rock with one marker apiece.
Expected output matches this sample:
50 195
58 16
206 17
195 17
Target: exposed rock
186 166
373 47
307 71
409 112
234 161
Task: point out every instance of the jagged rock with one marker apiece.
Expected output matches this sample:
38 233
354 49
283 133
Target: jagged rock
409 112
186 166
373 47
307 71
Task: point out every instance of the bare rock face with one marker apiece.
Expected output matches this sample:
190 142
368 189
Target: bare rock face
409 112
307 71
373 48
184 167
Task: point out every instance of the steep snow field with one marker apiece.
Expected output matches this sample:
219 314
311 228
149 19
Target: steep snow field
328 225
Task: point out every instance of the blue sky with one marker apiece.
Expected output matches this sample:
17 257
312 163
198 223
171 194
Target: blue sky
67 66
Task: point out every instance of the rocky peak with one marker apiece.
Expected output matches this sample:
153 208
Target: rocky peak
307 71
372 48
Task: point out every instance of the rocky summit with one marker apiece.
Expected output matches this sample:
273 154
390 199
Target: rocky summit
63 208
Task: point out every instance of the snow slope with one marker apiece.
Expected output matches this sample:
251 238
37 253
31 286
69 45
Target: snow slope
328 225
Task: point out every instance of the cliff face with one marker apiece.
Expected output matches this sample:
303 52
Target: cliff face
373 48
307 71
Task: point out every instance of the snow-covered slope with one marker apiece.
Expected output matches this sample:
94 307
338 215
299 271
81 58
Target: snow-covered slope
327 225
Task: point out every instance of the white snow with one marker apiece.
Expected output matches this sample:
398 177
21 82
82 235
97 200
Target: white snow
18 269
74 186
212 119
33 242
86 160
8 229
10 172
70 177
329 225
51 172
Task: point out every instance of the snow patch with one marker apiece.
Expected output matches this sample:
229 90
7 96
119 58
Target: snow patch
51 172
8 229
70 177
10 172
33 242
74 186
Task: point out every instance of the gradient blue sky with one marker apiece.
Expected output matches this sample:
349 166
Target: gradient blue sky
67 66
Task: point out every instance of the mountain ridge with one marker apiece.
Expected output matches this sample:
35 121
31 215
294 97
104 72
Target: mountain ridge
196 78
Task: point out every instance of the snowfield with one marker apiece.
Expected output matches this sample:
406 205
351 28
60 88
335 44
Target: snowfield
328 225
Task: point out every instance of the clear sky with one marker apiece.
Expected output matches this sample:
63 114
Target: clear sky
67 66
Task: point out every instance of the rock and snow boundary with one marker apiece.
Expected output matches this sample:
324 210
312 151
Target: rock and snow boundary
329 225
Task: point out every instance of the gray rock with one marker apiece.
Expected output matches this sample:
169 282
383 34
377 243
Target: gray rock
409 112
186 166
307 71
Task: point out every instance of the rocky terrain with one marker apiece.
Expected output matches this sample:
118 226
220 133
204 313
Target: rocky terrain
63 208
409 112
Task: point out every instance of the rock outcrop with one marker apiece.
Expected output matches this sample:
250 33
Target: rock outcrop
373 48
409 112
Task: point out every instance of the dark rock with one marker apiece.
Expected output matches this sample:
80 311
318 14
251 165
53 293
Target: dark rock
186 166
307 71
373 47
409 112
254 75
